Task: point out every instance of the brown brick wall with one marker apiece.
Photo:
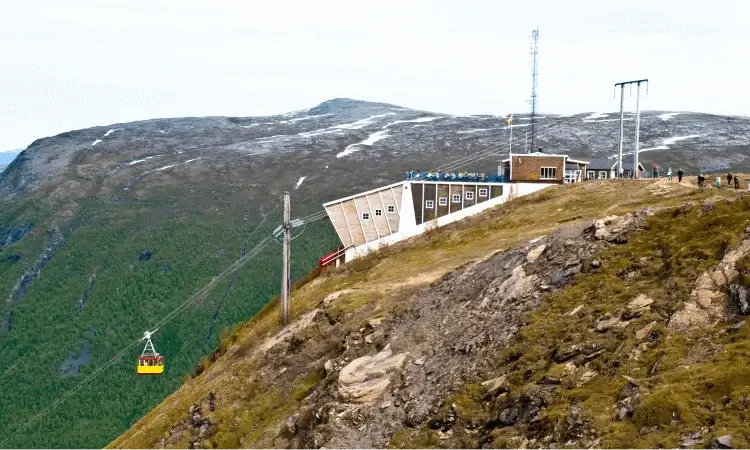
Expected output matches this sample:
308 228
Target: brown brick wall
527 168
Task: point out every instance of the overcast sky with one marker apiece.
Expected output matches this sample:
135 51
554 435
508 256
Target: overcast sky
79 63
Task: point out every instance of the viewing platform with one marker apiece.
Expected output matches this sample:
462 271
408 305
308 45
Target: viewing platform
460 177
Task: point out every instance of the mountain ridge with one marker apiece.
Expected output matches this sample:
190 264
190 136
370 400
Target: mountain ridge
104 230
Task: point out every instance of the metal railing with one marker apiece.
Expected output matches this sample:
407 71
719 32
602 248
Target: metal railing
332 257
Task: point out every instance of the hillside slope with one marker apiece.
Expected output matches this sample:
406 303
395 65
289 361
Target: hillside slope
530 325
104 231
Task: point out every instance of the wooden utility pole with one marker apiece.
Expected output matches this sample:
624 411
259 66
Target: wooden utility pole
286 276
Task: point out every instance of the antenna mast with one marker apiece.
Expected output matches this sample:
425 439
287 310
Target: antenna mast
534 82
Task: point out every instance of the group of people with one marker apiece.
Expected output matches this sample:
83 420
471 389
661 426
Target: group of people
730 178
702 179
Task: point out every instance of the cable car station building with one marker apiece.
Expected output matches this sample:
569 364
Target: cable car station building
389 214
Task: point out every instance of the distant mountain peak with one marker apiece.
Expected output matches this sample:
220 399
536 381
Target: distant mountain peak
339 104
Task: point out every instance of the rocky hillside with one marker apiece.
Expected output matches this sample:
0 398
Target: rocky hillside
346 139
612 319
104 231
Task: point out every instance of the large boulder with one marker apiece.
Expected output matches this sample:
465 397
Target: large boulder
365 378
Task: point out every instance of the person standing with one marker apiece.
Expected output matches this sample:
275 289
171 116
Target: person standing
718 182
729 179
669 173
679 175
736 182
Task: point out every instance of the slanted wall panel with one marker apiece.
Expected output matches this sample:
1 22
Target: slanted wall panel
336 214
355 226
381 221
368 225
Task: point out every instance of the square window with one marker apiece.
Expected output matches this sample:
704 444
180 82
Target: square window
391 208
365 216
429 204
470 195
483 192
442 201
378 212
456 198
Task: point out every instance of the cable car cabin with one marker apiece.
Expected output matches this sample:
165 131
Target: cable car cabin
151 365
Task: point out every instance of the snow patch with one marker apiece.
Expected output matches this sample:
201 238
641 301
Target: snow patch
672 140
111 131
595 116
96 142
519 125
191 160
318 132
361 123
250 126
666 143
299 182
373 138
304 118
344 126
142 160
418 120
165 167
668 116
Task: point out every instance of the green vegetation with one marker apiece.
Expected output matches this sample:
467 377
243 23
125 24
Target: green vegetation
189 244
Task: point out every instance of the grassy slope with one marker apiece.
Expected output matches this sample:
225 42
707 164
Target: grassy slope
249 407
190 245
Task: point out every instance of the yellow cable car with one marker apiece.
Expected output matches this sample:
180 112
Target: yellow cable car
150 362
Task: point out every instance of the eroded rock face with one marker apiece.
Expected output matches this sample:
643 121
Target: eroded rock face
365 378
706 303
610 227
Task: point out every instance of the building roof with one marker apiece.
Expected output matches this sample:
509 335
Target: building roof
371 191
611 164
546 154
602 164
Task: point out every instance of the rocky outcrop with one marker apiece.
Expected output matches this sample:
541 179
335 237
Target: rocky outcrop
616 228
452 332
706 304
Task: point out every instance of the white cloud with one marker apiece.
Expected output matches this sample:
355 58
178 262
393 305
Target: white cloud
85 63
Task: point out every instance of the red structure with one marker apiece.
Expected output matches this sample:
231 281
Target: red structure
330 258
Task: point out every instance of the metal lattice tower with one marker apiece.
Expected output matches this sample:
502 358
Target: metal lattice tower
534 82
